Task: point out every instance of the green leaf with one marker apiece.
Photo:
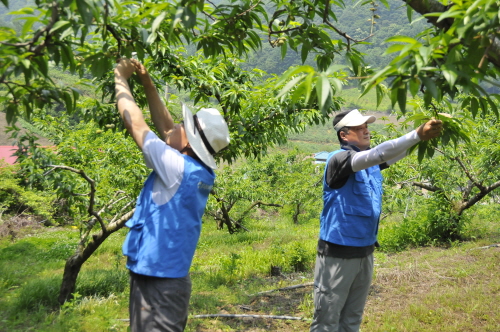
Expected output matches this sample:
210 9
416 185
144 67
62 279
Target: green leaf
68 102
402 39
333 69
380 94
355 62
323 90
157 21
414 86
294 71
336 84
422 148
473 7
474 106
449 13
66 33
58 25
450 74
85 11
430 86
290 85
42 65
394 48
409 12
299 92
284 49
402 98
386 3
28 25
308 84
189 18
305 51
22 11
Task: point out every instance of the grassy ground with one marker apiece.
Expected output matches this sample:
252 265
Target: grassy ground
425 289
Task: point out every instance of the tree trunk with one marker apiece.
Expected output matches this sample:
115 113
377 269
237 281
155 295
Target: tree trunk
296 213
74 264
84 251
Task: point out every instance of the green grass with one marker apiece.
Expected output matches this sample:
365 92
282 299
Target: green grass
423 289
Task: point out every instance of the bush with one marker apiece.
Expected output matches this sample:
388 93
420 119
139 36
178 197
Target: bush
16 199
292 257
434 223
399 235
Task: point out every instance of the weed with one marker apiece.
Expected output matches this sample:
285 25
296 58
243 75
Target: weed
102 282
37 293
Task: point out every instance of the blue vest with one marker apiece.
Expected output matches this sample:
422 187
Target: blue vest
351 214
162 238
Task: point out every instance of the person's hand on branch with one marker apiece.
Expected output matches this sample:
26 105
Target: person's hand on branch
142 73
125 68
430 129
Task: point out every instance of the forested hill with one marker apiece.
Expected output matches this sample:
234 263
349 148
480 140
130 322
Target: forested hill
353 20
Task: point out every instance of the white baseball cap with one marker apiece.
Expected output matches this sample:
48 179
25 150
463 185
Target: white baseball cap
353 119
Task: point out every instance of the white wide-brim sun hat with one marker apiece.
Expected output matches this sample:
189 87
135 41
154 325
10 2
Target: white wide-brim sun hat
207 133
353 119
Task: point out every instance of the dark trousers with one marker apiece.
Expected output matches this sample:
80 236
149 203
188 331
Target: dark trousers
158 304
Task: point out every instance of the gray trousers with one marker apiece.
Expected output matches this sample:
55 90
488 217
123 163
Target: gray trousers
158 304
341 286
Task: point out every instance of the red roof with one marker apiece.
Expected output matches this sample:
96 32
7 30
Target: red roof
6 153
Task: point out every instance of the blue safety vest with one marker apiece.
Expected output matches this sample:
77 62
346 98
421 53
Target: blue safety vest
162 238
351 213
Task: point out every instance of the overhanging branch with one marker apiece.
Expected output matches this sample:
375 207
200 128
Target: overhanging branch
433 6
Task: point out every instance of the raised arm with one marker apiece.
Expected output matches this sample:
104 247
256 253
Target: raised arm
129 111
159 113
393 150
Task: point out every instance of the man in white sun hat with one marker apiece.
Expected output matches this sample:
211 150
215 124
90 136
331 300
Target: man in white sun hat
166 224
352 197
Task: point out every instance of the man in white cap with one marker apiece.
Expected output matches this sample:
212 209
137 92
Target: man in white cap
352 197
166 225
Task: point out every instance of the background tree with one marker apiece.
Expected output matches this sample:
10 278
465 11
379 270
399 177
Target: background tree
455 179
81 171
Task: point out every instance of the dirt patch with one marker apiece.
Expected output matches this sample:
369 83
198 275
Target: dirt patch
19 226
278 303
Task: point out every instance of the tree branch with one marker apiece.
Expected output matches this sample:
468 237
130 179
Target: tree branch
91 193
250 316
476 198
468 173
284 288
433 6
426 186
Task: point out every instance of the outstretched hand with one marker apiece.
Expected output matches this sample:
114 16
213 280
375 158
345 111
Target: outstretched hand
125 68
430 129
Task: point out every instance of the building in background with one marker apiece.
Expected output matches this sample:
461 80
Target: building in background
6 153
320 157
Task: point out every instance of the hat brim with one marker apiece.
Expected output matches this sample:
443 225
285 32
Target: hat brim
195 139
360 121
354 119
